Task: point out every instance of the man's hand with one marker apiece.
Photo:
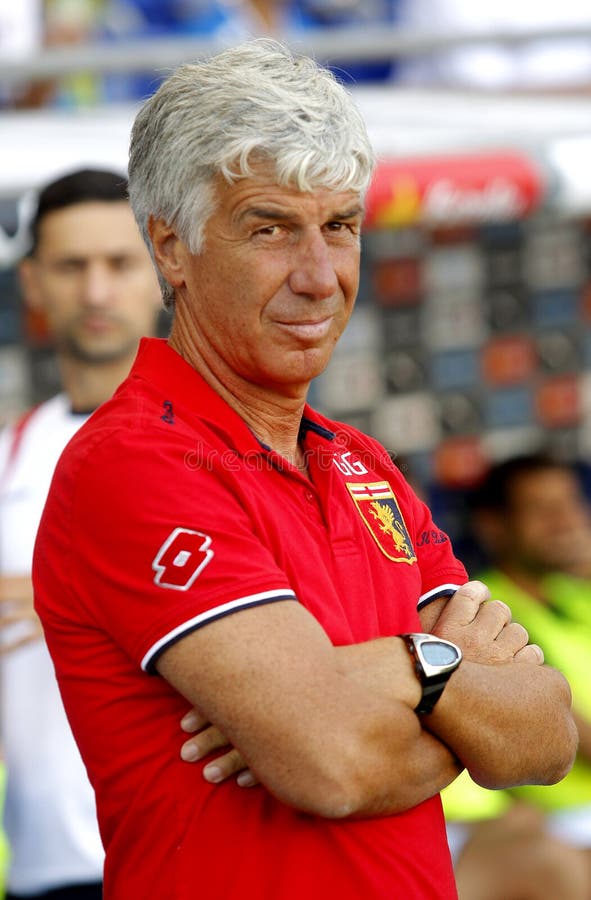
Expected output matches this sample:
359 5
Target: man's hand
502 680
207 738
483 628
19 623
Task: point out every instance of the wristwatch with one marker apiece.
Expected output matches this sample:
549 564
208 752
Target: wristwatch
435 661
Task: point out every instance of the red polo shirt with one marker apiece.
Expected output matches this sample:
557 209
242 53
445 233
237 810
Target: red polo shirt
165 513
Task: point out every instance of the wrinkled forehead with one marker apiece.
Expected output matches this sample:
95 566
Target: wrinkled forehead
260 198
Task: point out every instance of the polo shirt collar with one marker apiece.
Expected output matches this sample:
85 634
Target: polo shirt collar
161 365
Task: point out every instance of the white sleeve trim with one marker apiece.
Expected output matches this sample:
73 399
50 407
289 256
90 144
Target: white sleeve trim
441 591
215 612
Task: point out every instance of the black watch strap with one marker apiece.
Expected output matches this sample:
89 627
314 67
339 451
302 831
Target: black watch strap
431 694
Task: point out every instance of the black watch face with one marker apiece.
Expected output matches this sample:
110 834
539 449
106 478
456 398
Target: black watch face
437 654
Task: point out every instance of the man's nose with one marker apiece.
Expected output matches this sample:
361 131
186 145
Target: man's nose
97 285
313 271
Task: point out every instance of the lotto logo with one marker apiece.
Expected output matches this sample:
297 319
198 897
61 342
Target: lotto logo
182 556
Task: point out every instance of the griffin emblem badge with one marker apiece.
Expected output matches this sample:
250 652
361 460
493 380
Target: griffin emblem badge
379 509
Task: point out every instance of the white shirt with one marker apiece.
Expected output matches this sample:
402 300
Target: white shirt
50 817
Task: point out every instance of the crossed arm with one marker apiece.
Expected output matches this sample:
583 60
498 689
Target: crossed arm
331 730
16 611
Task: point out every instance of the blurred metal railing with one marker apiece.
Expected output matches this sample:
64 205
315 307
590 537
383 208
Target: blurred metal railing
327 45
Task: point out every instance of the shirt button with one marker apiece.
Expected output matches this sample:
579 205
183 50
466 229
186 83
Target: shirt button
309 496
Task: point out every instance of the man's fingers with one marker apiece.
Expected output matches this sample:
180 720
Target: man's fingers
203 743
494 616
530 654
483 628
208 739
247 779
513 638
474 590
462 608
193 721
227 765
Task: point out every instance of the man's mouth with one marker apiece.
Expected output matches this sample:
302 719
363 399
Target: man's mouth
309 329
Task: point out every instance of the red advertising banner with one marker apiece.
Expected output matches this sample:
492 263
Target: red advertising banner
441 190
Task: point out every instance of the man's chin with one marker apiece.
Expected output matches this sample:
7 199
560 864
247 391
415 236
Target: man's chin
99 352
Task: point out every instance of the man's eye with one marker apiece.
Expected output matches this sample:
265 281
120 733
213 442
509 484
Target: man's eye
122 263
341 227
271 230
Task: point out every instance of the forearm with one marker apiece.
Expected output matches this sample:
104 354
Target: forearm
425 765
19 624
328 730
396 765
332 730
428 768
508 723
16 590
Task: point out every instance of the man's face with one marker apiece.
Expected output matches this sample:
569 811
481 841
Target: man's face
547 524
93 280
274 286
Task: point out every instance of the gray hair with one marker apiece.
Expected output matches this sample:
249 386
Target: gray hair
252 102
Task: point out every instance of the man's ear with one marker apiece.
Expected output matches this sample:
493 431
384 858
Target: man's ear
169 251
28 277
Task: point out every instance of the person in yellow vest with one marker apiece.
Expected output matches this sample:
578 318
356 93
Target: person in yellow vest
532 518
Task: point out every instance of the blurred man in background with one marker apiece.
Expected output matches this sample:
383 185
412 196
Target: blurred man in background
532 519
88 272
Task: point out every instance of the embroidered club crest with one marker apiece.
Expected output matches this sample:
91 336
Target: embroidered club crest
379 509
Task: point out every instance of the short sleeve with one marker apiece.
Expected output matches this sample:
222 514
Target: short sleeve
157 548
